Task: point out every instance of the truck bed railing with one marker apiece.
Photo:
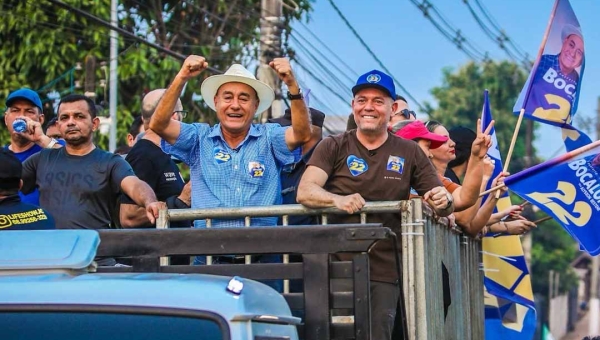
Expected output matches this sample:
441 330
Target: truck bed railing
428 246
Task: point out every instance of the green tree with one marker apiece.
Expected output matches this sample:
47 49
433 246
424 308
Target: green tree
460 99
552 249
42 44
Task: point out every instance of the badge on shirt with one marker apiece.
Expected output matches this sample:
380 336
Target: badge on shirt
395 164
221 156
357 166
256 169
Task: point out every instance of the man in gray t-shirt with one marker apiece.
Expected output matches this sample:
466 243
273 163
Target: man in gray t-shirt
79 184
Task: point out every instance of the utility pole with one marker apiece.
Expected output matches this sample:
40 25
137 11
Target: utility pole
270 47
112 101
594 302
89 86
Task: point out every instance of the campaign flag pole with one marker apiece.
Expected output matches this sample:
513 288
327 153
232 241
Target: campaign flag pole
508 297
527 93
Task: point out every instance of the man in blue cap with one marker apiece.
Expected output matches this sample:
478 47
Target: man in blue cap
23 103
371 164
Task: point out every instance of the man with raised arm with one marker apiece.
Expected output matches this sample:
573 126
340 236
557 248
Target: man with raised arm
235 163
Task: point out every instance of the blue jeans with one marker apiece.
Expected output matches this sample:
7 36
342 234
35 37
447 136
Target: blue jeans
230 259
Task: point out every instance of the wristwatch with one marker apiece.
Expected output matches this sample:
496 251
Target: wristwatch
295 96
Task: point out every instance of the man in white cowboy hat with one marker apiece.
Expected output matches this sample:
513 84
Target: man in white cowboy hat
234 163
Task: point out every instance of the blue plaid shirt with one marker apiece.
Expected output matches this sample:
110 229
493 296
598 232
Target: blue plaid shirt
542 87
225 177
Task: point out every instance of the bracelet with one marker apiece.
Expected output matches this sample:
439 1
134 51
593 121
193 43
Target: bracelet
51 144
505 226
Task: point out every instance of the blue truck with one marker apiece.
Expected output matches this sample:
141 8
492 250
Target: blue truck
49 289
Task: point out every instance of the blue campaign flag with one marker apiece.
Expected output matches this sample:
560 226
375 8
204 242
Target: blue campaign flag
568 189
509 308
574 138
551 92
520 324
494 150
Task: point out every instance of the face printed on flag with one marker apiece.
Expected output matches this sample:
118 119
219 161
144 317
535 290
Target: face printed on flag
551 92
568 189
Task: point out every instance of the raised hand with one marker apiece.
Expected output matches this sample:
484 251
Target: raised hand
483 142
488 168
284 71
192 66
34 131
499 180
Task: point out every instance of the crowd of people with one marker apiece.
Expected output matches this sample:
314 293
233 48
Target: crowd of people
58 178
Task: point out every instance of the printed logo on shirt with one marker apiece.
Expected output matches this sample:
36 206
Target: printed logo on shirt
395 164
357 166
170 176
221 156
25 217
256 169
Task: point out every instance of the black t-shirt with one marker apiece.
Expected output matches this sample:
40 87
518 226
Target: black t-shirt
80 192
384 174
17 215
156 168
451 175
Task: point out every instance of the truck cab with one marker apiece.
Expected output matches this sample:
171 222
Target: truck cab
49 290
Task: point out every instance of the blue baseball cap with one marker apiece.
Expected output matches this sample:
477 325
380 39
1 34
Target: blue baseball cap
27 94
378 80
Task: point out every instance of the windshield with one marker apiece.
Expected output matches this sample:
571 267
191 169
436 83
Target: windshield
105 326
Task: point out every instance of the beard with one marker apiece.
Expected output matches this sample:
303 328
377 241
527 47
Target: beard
19 140
77 140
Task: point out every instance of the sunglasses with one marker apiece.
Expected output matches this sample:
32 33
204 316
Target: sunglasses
407 113
183 113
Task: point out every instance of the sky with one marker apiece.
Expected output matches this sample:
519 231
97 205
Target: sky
415 52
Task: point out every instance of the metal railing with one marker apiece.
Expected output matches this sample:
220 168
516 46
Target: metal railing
427 246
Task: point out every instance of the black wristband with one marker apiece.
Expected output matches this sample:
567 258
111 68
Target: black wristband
174 202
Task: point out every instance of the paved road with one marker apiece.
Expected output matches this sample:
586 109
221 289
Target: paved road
581 329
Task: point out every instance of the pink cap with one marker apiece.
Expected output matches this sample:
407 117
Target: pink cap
417 130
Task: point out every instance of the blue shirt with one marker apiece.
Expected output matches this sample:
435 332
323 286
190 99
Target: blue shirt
34 196
550 80
224 177
290 178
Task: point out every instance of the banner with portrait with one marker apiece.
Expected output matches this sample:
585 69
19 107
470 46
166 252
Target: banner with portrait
551 92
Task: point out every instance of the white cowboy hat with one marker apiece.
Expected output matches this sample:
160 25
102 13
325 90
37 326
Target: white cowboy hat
569 29
237 74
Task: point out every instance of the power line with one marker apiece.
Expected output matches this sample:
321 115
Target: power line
123 32
335 55
326 72
496 34
374 55
451 33
339 71
495 24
